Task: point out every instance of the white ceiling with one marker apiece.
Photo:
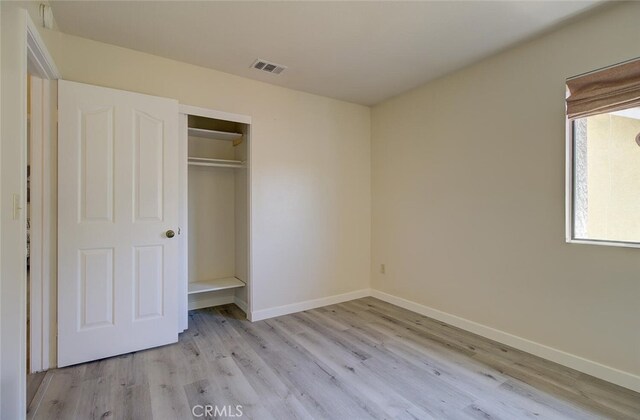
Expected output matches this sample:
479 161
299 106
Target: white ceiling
362 52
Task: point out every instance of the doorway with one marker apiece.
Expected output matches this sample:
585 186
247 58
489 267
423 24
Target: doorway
41 234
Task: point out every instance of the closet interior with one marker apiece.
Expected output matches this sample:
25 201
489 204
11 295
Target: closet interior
218 235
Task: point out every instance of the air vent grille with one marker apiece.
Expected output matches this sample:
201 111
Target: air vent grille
268 66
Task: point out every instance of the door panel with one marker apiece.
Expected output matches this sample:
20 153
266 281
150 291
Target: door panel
96 165
96 288
148 282
148 161
118 181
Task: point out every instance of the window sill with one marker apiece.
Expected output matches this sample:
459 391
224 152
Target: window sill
602 243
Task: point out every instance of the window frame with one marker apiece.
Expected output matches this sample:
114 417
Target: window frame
570 197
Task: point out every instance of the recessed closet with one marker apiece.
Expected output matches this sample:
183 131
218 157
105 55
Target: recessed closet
216 217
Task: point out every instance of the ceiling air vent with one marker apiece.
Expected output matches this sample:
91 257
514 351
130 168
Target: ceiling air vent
268 66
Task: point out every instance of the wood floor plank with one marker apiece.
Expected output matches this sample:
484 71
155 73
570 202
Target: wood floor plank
440 400
325 395
168 399
355 360
346 361
33 384
38 393
280 400
136 403
97 399
62 395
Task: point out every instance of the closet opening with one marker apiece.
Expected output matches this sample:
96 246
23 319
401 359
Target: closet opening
217 214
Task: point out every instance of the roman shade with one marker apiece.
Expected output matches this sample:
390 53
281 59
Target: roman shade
607 90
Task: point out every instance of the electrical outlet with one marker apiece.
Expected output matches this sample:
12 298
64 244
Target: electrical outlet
382 269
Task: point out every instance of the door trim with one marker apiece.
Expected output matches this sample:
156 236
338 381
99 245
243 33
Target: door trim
212 113
19 41
40 64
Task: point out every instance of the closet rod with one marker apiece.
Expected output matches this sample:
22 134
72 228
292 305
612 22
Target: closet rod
216 162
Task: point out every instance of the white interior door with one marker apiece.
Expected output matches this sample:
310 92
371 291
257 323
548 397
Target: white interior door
117 199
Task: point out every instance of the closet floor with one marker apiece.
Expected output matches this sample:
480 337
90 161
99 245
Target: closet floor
355 360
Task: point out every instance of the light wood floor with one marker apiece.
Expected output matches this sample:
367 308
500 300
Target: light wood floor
356 360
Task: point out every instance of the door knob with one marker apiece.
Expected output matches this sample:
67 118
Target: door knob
170 233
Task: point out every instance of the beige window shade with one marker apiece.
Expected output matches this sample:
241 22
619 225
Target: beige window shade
606 90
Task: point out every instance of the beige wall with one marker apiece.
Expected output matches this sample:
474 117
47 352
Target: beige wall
468 199
613 174
310 165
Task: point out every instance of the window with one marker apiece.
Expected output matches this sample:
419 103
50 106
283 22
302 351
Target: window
603 110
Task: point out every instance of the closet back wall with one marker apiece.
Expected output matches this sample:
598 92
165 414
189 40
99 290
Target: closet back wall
310 166
211 223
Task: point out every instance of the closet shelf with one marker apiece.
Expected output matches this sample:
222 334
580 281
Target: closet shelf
216 284
224 163
215 134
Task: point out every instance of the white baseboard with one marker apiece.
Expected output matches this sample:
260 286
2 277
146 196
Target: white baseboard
217 301
240 304
211 301
607 373
308 304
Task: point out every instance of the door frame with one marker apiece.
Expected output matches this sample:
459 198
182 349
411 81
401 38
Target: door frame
43 203
23 51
